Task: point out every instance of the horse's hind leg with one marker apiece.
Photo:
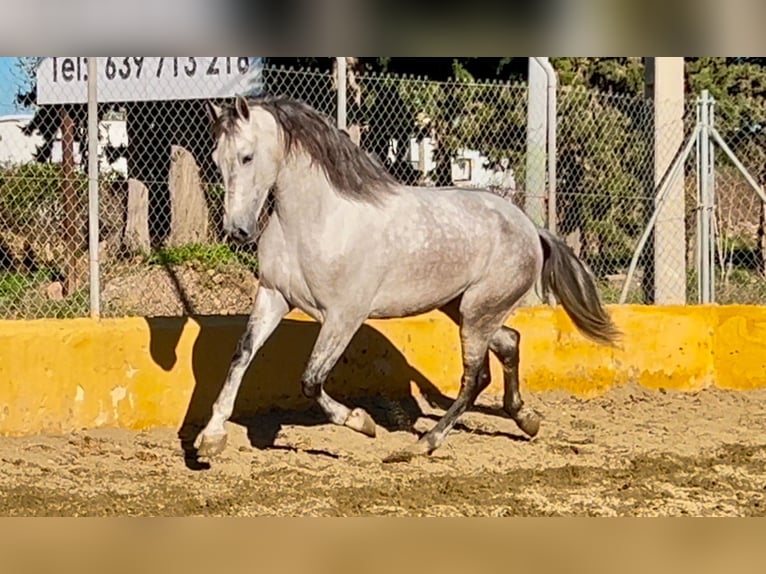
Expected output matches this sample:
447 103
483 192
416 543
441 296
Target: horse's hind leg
475 350
505 345
334 337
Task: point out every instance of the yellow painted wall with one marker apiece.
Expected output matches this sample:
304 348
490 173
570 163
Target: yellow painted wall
61 375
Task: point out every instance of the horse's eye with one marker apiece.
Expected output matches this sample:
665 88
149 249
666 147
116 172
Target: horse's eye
247 159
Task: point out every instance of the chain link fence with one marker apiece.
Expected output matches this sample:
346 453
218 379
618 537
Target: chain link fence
43 213
161 247
604 181
739 218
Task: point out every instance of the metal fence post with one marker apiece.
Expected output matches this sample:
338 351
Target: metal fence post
705 227
342 77
712 196
698 207
93 227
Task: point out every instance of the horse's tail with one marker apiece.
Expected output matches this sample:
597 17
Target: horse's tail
574 287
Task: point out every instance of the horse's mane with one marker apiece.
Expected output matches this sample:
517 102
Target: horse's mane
349 168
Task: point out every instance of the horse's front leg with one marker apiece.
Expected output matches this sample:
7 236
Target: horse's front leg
270 306
334 336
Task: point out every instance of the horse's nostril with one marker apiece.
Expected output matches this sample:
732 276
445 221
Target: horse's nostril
239 233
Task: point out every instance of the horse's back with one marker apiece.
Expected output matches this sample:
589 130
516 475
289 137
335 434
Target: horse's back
436 243
480 203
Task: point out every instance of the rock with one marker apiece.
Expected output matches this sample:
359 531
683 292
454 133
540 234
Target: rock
188 204
55 291
136 235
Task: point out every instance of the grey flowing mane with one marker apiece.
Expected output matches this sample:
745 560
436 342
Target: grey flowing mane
352 172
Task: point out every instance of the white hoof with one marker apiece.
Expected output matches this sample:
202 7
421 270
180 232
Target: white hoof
360 421
211 445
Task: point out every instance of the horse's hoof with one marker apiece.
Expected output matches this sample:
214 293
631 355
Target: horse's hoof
360 421
528 421
211 446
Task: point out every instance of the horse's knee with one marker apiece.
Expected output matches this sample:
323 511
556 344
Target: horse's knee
244 350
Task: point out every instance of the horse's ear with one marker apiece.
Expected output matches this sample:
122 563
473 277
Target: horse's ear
213 111
243 110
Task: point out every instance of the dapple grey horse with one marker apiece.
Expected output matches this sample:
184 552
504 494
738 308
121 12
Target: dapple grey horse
345 242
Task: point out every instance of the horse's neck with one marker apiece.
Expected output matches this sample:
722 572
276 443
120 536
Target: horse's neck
302 191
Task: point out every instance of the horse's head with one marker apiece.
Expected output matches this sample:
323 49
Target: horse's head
248 155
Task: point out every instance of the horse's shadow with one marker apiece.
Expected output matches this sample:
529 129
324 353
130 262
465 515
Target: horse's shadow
372 373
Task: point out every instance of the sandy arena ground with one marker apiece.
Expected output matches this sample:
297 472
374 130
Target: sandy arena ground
632 452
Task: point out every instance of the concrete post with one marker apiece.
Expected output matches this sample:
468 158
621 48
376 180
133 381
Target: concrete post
534 188
537 115
665 84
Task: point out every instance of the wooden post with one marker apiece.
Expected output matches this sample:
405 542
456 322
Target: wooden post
69 199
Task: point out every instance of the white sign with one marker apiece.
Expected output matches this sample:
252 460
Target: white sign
65 80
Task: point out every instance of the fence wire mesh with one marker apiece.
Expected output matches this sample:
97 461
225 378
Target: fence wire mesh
43 214
604 180
739 219
638 145
163 252
172 257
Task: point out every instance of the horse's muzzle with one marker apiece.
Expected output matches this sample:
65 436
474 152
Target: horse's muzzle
240 234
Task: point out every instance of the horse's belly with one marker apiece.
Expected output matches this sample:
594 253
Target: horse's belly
397 309
407 296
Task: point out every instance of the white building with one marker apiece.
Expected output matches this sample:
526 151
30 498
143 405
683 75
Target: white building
17 148
468 166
